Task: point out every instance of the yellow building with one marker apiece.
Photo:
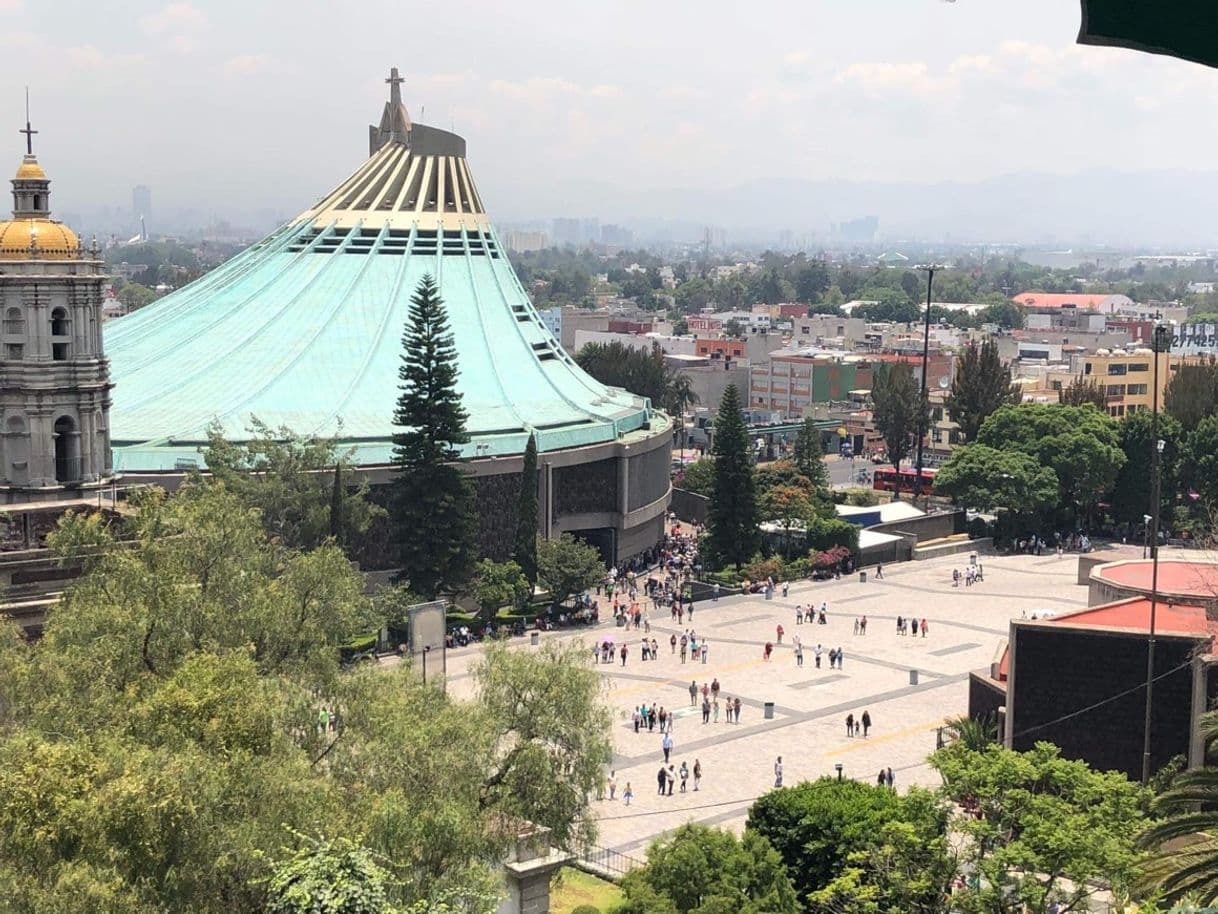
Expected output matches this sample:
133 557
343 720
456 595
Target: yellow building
1128 377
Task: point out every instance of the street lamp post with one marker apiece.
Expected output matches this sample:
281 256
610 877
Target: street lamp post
1160 345
930 280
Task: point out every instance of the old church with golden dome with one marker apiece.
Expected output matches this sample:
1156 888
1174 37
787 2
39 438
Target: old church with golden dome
54 377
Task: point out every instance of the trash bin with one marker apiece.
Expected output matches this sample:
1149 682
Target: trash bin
769 593
913 677
769 710
862 577
972 558
535 638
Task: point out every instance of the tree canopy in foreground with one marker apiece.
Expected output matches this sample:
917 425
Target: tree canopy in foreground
162 748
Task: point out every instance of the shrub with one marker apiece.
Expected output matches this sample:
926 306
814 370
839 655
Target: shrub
586 909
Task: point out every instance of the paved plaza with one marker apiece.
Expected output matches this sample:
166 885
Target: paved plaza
967 625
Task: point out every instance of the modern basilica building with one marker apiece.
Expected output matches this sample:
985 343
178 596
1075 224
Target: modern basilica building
304 329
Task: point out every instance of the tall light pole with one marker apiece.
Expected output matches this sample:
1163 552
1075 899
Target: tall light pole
1160 343
922 410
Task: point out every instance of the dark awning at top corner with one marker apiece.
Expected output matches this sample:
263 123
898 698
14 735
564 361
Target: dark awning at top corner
1187 29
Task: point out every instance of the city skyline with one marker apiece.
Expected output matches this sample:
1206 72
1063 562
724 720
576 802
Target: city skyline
628 119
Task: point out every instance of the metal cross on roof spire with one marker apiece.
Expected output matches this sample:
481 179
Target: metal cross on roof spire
395 90
29 132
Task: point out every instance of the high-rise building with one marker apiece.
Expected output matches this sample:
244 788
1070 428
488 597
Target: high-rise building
141 202
54 379
304 329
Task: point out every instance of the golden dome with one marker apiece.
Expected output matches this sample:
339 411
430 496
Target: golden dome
49 240
30 170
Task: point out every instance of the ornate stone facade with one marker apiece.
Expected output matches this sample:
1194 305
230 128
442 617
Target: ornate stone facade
54 378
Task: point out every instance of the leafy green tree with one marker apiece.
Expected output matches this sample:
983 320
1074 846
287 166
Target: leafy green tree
809 455
1202 459
693 295
291 479
734 329
889 305
708 871
642 372
566 566
981 385
733 507
816 826
898 410
982 477
498 584
1006 314
823 533
1039 829
134 296
433 499
1183 859
907 867
975 733
329 877
1192 393
811 282
1079 443
524 552
1083 392
789 507
697 477
1131 493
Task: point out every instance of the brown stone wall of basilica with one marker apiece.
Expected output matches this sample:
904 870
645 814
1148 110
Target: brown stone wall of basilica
586 488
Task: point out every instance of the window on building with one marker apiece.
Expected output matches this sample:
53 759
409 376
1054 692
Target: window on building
953 436
1055 385
937 414
60 352
1116 390
1139 366
60 325
14 352
936 435
1087 368
1117 368
14 322
1136 390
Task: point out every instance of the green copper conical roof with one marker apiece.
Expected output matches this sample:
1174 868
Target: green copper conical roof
304 328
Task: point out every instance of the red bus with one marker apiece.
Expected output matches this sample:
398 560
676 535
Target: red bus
906 481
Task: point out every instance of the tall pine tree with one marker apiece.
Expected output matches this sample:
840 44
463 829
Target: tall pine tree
809 455
432 499
524 552
981 385
733 505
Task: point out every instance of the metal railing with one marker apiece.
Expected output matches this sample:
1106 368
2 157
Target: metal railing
604 861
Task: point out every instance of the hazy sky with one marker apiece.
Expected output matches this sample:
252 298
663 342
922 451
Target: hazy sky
240 106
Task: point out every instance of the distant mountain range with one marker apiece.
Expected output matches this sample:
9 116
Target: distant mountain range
1156 208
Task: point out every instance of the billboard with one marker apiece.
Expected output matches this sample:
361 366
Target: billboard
1195 339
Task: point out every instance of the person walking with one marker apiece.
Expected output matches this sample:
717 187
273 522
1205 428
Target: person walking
693 693
865 720
662 778
799 614
799 655
666 745
769 649
673 642
715 592
850 724
816 652
612 785
778 772
924 628
913 625
623 655
840 656
706 711
684 776
628 793
736 708
863 625
856 625
715 710
672 779
881 779
888 776
697 773
779 631
879 572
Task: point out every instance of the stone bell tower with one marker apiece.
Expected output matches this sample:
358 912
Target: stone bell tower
54 378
